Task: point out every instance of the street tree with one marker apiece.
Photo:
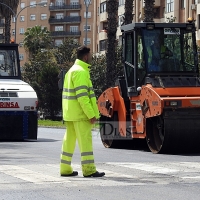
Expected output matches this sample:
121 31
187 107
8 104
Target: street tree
128 15
41 72
66 53
7 14
149 10
37 38
112 9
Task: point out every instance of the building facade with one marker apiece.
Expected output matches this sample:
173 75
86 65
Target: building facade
64 18
67 18
178 10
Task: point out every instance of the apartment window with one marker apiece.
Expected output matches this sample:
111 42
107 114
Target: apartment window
32 17
1 31
32 4
120 20
121 2
59 15
103 7
58 42
13 19
182 4
89 15
88 27
170 6
21 44
88 41
74 14
74 2
58 28
21 56
43 16
102 45
21 30
22 19
22 5
73 28
90 2
13 31
59 2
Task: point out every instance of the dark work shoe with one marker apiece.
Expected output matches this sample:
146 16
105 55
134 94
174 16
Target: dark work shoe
96 174
74 173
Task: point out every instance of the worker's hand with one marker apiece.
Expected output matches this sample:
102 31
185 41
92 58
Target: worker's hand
93 120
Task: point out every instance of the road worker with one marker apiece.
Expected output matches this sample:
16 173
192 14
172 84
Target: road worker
156 52
80 112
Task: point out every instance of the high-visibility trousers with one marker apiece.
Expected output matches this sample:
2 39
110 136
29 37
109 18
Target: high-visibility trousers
82 131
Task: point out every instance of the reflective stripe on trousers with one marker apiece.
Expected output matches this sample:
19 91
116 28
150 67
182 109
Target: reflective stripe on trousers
81 131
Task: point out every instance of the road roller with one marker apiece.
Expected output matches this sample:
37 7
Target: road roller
158 98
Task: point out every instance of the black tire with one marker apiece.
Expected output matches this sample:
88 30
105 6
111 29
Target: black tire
109 131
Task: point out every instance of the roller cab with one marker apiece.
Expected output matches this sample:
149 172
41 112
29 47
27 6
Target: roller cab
158 99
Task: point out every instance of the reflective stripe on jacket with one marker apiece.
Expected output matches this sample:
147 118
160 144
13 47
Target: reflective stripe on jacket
78 98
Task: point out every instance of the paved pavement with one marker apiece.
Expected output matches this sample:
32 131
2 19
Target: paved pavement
30 170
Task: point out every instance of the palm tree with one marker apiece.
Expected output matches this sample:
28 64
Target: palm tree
148 10
112 9
7 13
37 38
128 12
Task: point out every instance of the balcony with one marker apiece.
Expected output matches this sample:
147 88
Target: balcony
102 35
157 3
65 33
2 24
64 7
103 17
65 20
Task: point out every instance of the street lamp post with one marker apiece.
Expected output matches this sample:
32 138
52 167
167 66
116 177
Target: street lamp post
87 3
17 14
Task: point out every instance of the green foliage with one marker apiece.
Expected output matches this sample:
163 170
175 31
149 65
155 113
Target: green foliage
37 38
171 19
44 65
66 53
98 71
42 74
43 68
7 13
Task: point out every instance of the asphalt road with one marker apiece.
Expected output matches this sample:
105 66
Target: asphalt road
30 170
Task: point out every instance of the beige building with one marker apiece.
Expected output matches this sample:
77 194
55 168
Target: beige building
163 9
64 18
67 18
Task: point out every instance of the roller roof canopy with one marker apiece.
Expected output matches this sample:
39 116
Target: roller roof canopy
133 26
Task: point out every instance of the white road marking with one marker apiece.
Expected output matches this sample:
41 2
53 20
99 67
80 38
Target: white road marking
191 177
29 175
146 167
117 174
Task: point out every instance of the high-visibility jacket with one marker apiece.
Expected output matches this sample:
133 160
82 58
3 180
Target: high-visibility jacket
78 98
150 53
